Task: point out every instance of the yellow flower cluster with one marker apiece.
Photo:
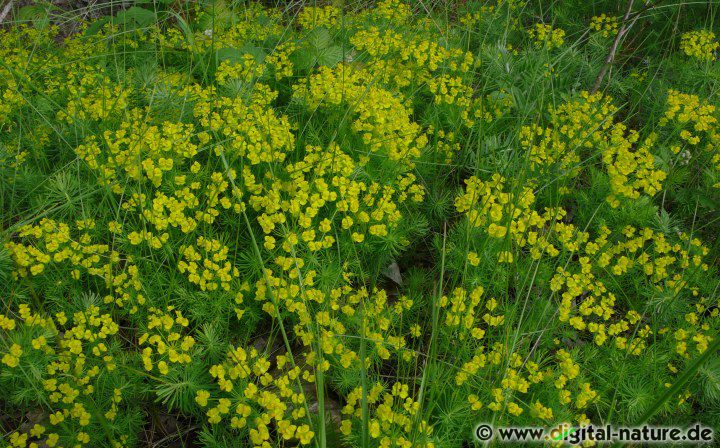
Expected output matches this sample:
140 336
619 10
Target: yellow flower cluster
279 60
312 199
93 96
196 199
586 302
164 343
137 151
12 357
587 124
472 18
545 36
490 107
688 110
381 318
399 61
507 215
700 44
320 314
569 374
208 265
631 170
257 394
574 125
696 333
692 123
255 24
75 353
451 90
382 120
246 70
15 154
248 129
18 47
517 375
445 144
53 244
393 417
604 25
10 99
316 16
462 312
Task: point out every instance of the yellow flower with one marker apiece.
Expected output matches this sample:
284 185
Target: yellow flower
12 358
700 44
304 434
505 257
496 231
604 25
475 403
473 258
546 36
514 409
7 323
83 437
201 397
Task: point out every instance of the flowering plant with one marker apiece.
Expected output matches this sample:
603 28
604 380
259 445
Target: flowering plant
319 226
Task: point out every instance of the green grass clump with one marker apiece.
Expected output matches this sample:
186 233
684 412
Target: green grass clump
373 225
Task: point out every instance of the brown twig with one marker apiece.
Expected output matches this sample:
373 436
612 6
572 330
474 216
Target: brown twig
6 11
627 24
611 55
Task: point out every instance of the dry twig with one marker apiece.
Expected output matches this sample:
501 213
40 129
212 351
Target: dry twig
5 11
626 25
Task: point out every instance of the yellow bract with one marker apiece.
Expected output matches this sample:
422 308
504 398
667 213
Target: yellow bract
545 36
604 25
700 44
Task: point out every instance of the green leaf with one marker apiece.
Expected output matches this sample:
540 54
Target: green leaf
187 31
319 38
330 56
96 26
303 59
256 52
318 49
135 17
39 15
228 54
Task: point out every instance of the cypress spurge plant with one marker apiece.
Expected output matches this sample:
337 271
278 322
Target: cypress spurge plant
356 225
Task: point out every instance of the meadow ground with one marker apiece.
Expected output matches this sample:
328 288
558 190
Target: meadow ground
336 224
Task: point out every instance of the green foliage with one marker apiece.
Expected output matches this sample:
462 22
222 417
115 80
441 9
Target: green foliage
356 225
